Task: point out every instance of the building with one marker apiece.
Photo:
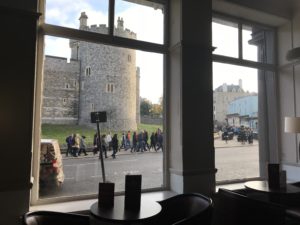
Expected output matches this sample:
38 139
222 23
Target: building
223 95
243 111
190 167
90 82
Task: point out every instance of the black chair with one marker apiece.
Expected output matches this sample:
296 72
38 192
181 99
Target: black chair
186 209
54 218
231 208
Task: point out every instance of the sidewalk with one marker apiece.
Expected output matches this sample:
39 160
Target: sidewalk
219 143
109 153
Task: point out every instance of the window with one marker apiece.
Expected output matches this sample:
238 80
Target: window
88 71
241 66
110 88
129 82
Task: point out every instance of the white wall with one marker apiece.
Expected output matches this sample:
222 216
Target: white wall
289 92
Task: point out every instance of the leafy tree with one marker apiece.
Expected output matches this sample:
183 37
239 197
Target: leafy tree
145 107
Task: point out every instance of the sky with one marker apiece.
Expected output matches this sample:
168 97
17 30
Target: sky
147 23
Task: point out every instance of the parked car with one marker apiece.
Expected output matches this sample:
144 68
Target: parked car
51 168
227 135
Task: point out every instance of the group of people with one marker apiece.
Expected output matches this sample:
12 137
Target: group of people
135 142
76 145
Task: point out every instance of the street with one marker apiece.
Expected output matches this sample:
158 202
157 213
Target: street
82 175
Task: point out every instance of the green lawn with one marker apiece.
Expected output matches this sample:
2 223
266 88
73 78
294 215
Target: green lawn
60 132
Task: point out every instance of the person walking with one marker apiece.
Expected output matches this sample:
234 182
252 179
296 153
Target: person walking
134 142
152 142
70 143
104 145
76 145
109 141
82 147
114 143
96 143
123 142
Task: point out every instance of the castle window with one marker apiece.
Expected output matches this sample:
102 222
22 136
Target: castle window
67 86
75 83
110 88
129 58
64 100
88 71
92 107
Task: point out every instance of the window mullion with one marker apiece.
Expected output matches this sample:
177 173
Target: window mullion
111 17
240 39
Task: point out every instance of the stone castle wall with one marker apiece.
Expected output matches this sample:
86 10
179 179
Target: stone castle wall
61 91
105 78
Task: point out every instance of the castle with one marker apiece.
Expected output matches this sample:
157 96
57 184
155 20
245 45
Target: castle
97 78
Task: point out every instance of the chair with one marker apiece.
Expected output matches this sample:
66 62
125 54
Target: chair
54 218
231 208
186 209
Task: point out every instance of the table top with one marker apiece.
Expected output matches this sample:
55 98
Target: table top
263 186
148 210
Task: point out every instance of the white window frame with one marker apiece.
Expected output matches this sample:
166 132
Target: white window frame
265 143
108 39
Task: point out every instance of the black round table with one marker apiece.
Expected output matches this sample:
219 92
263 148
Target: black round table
118 214
263 186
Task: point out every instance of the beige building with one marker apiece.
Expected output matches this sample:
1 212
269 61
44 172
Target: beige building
223 95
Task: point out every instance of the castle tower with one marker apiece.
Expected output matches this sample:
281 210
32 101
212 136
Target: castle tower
138 114
83 20
120 23
108 79
241 83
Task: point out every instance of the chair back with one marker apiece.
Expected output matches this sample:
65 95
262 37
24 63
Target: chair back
231 208
54 218
184 209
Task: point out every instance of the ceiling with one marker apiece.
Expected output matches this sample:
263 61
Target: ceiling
282 8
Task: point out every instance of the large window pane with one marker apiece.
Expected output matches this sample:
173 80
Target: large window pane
236 122
90 15
80 78
144 20
225 38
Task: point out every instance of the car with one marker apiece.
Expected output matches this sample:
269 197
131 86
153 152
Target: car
227 135
51 167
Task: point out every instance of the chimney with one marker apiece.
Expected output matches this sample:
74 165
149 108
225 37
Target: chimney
224 87
120 23
83 20
241 83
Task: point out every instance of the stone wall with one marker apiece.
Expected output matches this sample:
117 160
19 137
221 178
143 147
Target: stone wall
98 78
61 91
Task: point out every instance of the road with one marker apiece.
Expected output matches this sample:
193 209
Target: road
82 174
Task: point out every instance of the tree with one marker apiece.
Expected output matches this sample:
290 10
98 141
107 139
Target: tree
145 107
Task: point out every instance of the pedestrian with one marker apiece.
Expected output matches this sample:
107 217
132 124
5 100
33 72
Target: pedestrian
123 142
114 143
76 146
70 143
104 145
146 138
134 142
82 145
152 141
108 141
128 137
96 144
